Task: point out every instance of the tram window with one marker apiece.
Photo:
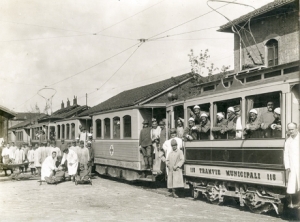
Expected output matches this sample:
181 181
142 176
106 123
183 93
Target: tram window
178 113
73 131
200 113
68 131
63 131
227 119
107 128
127 126
267 122
116 128
58 131
98 128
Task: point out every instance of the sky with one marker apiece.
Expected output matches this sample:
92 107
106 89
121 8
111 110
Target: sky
75 47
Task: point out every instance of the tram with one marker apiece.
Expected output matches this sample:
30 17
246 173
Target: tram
251 170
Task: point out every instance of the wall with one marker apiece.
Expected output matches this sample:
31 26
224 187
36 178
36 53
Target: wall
283 27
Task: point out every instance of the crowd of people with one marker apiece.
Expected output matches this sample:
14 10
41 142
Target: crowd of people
52 163
267 125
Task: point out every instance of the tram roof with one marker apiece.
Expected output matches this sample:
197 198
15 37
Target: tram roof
256 13
135 96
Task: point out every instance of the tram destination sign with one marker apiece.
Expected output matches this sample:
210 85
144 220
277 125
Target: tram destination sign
267 177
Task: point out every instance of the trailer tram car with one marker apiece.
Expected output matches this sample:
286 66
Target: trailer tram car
249 170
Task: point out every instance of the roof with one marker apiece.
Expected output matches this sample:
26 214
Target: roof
25 115
6 112
135 96
262 10
29 121
66 112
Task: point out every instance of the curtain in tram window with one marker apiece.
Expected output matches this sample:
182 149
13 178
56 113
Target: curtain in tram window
250 104
214 118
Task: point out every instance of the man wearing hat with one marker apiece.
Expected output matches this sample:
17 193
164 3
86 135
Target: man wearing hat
276 125
174 162
191 131
145 144
221 123
167 147
267 119
72 162
204 127
252 129
231 124
196 114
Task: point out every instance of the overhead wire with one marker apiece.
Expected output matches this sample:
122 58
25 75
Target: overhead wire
130 17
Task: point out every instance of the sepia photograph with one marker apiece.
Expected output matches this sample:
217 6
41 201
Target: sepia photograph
149 110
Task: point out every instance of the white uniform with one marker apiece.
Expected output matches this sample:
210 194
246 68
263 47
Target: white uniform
6 155
72 160
13 150
30 157
168 148
19 156
47 167
291 161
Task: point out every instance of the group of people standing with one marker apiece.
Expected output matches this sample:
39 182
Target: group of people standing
47 159
159 152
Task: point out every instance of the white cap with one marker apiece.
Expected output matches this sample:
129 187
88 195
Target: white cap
253 111
196 107
204 114
230 109
77 138
220 114
277 110
89 142
192 119
89 134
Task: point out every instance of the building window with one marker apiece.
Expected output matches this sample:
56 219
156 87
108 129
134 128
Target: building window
98 128
127 126
272 52
62 131
68 131
58 132
116 129
107 128
73 131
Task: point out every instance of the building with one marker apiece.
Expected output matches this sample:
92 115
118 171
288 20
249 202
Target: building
5 116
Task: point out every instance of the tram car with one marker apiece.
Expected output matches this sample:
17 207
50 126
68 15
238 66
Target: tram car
247 168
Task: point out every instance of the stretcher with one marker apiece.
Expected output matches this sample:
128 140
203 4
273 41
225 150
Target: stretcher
9 166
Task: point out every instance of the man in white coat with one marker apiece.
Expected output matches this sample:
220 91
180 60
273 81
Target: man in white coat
37 159
48 166
20 157
72 162
291 163
13 149
167 147
56 149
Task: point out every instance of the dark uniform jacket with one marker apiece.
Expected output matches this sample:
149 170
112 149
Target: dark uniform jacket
216 129
254 129
145 137
191 132
204 130
230 128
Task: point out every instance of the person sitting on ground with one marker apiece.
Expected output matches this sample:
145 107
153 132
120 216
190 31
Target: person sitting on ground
252 129
58 175
180 128
191 132
84 173
145 144
230 128
174 162
266 120
276 125
221 123
204 127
